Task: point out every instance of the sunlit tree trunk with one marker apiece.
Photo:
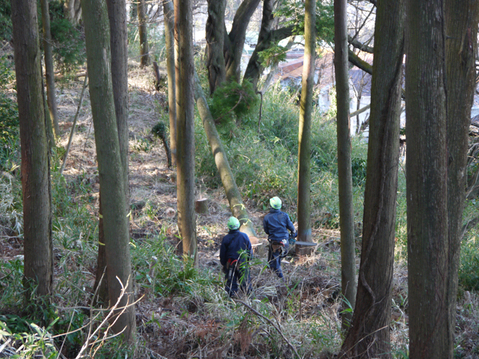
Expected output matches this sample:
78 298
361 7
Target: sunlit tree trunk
38 251
110 167
186 128
169 13
461 47
346 216
49 73
304 155
369 335
426 173
237 207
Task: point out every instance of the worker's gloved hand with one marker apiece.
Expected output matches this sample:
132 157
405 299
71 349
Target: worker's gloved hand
292 239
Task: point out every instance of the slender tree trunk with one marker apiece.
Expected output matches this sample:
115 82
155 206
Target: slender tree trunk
461 45
38 260
215 36
346 216
255 68
369 335
234 42
426 171
49 73
48 122
142 29
304 155
237 207
119 72
169 12
186 128
110 167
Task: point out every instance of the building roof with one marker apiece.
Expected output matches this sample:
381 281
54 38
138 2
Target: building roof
292 71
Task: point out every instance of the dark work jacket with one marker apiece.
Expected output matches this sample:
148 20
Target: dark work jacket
276 224
232 245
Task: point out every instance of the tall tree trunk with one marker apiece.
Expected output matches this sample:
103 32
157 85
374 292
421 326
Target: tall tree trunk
237 207
461 47
369 335
142 29
304 154
186 128
49 73
426 174
346 216
38 251
215 36
112 193
119 73
234 42
169 12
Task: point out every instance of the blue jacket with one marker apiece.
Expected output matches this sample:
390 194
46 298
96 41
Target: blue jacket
276 224
232 244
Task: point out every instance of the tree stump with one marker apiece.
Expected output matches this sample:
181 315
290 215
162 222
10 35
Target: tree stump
304 248
201 205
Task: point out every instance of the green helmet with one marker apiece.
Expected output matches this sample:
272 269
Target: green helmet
233 223
275 203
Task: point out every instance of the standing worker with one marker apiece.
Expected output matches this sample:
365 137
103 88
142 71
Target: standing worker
276 225
235 252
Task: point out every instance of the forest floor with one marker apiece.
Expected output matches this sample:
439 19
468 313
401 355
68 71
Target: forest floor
174 334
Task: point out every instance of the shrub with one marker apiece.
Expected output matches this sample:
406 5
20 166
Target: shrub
5 20
230 102
469 267
9 131
68 40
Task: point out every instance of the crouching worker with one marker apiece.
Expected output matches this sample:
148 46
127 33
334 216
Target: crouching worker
276 225
235 252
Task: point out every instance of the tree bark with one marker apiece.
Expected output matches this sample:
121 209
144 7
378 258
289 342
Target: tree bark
461 45
186 129
426 174
234 41
215 36
143 34
306 104
237 207
38 250
110 167
255 68
169 13
73 11
369 335
119 73
49 72
346 216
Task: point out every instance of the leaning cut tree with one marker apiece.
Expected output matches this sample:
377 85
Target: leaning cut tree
238 209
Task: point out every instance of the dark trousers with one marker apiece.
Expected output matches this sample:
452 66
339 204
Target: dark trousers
275 254
237 278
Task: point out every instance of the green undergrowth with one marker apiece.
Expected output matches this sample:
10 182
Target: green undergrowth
263 156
